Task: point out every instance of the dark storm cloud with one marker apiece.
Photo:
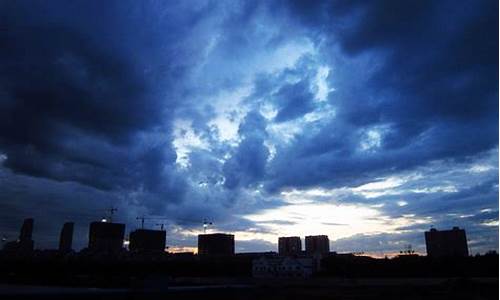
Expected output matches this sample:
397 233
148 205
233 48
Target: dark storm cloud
50 203
294 100
440 63
74 103
430 86
86 104
247 165
90 94
467 200
477 196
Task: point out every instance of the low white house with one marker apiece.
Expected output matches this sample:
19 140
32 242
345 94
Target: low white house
283 267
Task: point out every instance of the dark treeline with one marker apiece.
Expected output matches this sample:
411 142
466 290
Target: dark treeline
112 272
410 266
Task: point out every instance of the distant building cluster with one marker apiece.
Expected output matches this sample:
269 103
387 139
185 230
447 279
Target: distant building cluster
290 261
104 237
292 245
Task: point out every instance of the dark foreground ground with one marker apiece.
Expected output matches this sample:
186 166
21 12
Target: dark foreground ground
47 275
319 288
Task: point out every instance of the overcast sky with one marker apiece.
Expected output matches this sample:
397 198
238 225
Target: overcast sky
368 121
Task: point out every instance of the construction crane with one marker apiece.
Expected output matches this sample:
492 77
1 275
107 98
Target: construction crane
162 226
111 211
143 218
205 225
142 221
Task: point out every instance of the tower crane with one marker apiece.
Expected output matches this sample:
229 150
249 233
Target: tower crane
206 223
144 218
111 211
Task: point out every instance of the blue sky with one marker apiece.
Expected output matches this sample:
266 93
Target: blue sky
369 121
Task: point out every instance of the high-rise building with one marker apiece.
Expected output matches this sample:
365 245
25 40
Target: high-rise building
25 244
289 246
66 237
317 244
106 236
146 240
443 243
216 244
26 230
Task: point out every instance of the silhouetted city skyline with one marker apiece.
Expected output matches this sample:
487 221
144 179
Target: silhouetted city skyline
105 236
262 139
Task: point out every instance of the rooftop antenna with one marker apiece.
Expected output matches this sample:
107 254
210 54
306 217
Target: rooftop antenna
142 221
162 226
205 225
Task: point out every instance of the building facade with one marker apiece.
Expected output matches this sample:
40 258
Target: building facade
216 244
283 267
27 229
106 237
25 243
289 246
66 237
317 244
146 240
446 243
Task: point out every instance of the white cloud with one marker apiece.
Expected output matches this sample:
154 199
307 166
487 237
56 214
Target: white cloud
185 141
321 87
480 168
230 111
402 203
490 223
371 138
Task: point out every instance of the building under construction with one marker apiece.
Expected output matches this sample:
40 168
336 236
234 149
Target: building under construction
146 240
106 236
289 246
216 244
446 243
